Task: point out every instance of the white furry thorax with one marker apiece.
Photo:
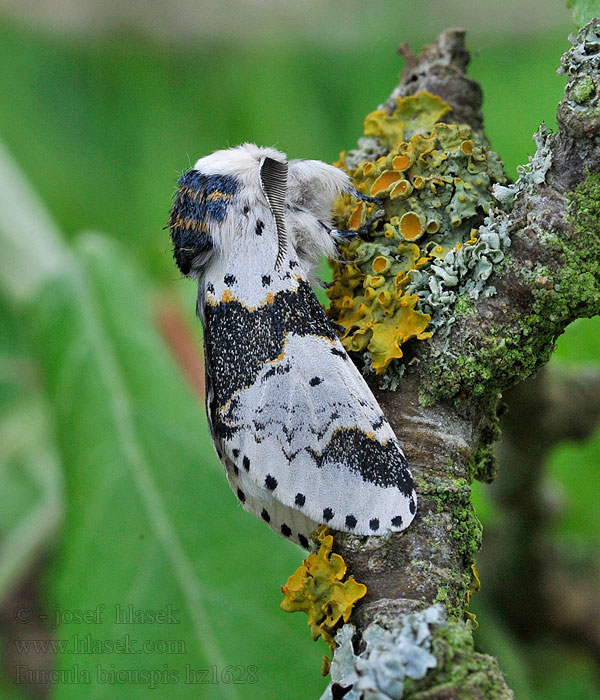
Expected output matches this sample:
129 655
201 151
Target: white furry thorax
312 187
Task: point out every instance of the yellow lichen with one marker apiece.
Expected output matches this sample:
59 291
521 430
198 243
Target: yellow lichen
317 589
384 182
433 180
414 115
467 147
388 128
474 587
387 336
401 189
401 162
356 218
380 264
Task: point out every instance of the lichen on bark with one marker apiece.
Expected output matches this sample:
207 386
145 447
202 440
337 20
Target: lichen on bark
445 409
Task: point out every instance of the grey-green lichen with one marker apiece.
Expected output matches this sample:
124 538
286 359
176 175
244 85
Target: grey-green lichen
581 64
583 89
532 173
462 273
390 659
424 654
567 290
584 54
496 353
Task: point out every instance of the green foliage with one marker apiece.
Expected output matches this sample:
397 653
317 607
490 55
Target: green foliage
584 10
30 470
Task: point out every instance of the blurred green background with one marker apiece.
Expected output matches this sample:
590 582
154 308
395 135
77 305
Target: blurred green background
110 492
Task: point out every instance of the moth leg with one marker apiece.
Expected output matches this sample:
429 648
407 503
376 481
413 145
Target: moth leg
362 230
363 197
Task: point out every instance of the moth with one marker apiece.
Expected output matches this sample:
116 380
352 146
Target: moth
301 436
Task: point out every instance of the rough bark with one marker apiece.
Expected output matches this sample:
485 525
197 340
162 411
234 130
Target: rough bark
444 413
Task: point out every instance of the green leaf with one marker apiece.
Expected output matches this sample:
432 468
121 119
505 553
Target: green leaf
31 493
584 10
31 498
31 485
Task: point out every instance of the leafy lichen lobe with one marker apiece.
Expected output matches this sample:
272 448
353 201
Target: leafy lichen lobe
317 589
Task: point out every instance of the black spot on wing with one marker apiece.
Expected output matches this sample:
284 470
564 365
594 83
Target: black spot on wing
246 463
300 499
338 692
235 452
351 522
265 516
412 506
327 514
276 369
315 381
266 280
303 541
397 521
241 495
210 288
378 423
259 227
286 530
339 353
270 482
374 524
229 280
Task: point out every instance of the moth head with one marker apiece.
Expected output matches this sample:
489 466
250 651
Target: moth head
209 200
313 186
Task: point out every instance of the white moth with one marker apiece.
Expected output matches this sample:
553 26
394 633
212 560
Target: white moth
302 438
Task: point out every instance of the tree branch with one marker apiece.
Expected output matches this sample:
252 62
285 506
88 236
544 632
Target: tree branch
444 412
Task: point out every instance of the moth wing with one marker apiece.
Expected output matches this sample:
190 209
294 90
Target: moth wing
315 447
